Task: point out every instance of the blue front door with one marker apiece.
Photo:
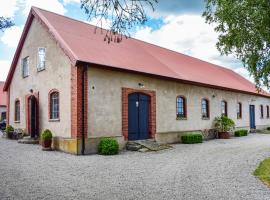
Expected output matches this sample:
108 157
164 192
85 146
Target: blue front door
252 116
138 113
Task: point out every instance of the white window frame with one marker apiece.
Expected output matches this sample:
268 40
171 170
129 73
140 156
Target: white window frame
39 67
25 73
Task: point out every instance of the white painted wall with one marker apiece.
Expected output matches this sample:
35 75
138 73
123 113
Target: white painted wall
105 103
57 75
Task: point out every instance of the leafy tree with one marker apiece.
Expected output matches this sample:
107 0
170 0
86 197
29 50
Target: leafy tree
244 31
5 23
123 15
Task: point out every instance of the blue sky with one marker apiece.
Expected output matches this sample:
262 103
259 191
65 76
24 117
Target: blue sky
174 24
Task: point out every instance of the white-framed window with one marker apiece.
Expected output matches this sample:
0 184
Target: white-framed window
25 67
41 58
54 105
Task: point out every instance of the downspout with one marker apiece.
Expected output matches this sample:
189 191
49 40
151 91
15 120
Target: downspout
83 108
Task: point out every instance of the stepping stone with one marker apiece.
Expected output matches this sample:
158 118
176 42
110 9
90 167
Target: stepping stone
146 145
28 140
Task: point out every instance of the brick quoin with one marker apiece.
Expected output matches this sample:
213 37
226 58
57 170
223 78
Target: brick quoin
76 101
152 111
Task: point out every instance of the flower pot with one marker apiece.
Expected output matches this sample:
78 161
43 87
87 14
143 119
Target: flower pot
224 135
46 143
10 135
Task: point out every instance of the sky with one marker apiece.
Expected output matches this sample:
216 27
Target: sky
175 24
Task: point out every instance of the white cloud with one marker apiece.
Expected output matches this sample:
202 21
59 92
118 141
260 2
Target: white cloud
11 36
8 8
51 5
106 24
71 1
4 68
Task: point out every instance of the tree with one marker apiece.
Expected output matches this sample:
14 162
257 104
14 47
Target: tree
244 31
122 14
5 23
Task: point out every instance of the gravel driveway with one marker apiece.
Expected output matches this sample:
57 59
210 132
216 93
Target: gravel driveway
217 169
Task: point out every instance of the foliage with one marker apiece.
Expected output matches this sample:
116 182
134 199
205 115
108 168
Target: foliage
268 128
241 132
108 146
244 31
122 15
5 23
224 124
46 135
263 171
9 129
191 138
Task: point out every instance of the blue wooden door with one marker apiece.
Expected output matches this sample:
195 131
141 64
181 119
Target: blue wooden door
138 113
252 116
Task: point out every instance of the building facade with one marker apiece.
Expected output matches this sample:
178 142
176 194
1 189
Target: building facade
54 84
3 102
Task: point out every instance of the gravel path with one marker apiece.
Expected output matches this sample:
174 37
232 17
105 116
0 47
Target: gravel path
217 169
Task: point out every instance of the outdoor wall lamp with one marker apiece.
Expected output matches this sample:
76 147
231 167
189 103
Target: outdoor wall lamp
141 85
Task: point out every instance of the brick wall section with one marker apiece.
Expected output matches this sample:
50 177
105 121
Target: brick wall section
152 111
76 101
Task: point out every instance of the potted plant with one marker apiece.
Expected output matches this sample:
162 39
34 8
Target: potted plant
223 125
46 139
9 131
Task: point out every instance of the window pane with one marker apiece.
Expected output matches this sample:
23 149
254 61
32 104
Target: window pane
25 69
41 58
180 107
54 105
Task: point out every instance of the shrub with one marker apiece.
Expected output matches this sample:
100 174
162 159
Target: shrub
223 124
46 135
268 128
9 131
241 132
108 146
191 138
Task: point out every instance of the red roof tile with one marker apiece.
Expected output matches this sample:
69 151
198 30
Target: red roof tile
80 43
3 95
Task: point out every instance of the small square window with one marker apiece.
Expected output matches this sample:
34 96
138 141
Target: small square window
41 59
25 67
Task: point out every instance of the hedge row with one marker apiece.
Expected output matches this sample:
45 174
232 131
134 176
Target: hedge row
241 132
192 138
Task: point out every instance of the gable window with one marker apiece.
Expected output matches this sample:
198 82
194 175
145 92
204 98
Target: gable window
17 110
181 107
54 105
267 111
41 59
25 67
261 107
224 108
239 110
205 109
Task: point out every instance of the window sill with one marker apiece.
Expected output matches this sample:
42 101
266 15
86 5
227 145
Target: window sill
205 118
40 70
181 118
17 122
54 120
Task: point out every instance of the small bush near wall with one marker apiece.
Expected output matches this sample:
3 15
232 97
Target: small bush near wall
9 131
191 138
268 128
108 146
241 132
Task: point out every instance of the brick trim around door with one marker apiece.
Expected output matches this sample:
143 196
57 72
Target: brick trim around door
152 111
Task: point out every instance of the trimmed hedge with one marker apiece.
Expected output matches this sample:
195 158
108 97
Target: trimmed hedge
191 138
108 146
9 131
241 132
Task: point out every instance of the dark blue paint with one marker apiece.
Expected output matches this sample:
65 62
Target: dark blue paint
138 116
252 116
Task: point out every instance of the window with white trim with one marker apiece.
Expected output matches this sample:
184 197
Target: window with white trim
41 58
54 105
25 67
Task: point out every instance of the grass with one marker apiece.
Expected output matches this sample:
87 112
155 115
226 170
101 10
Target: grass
263 171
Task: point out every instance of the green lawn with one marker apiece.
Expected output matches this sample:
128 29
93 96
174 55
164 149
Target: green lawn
263 171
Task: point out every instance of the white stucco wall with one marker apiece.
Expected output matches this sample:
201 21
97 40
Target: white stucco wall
105 103
57 75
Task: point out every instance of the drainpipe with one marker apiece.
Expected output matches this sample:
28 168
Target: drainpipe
83 108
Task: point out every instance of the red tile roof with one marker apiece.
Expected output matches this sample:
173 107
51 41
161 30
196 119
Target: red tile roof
81 44
3 95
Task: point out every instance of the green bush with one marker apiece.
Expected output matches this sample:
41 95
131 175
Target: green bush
241 132
108 146
223 124
268 128
46 135
191 138
9 131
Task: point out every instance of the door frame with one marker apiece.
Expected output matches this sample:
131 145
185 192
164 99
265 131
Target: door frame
27 116
152 110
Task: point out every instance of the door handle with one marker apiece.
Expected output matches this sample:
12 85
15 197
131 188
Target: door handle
137 104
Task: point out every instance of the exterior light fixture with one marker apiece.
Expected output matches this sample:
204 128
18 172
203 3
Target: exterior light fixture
141 85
